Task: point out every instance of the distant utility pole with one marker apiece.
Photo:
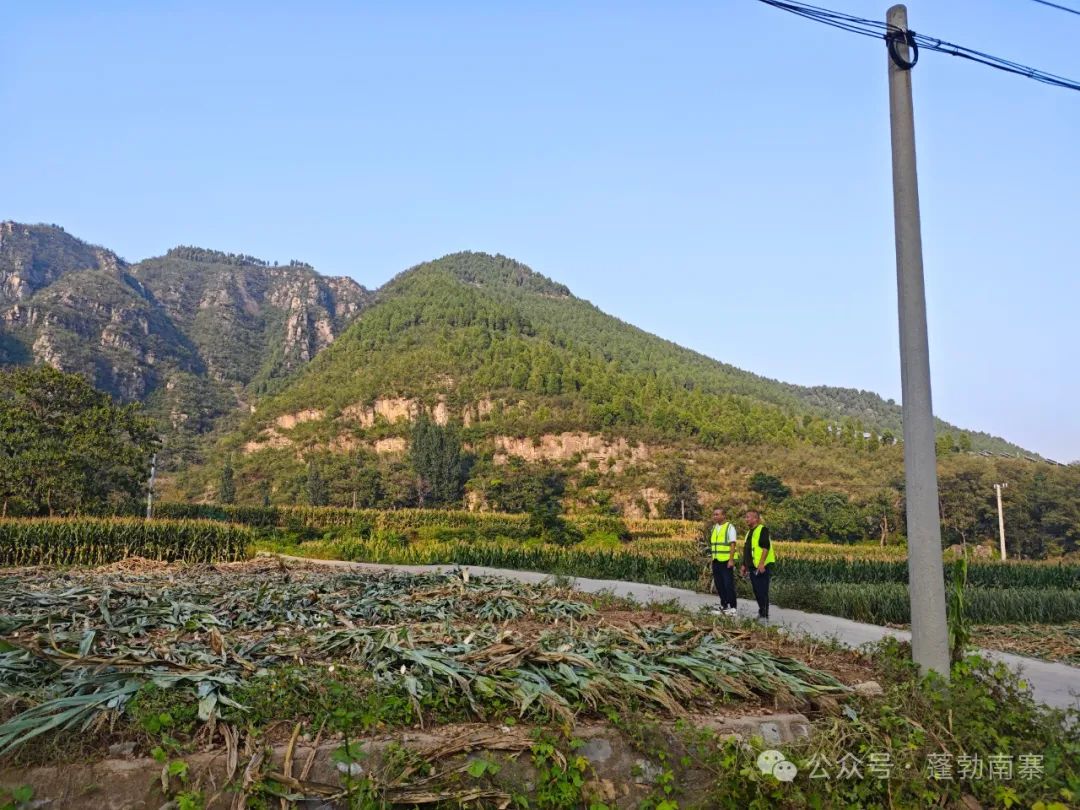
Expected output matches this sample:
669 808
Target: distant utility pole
1001 517
929 635
150 487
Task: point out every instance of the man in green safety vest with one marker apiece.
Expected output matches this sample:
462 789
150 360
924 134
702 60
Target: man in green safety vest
723 540
759 555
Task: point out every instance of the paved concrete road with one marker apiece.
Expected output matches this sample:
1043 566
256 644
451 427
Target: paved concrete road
1053 684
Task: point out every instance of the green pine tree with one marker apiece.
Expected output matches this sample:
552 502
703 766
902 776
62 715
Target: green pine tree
366 482
770 486
545 512
227 487
683 501
318 494
436 456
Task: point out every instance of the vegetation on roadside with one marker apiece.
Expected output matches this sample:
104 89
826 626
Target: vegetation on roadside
980 741
890 603
864 583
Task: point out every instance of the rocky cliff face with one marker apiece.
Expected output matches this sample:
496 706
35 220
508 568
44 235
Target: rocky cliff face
100 323
190 332
34 256
252 322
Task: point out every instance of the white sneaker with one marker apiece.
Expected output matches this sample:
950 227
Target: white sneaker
731 612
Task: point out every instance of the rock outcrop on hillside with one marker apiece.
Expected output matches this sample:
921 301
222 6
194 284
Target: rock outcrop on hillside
186 332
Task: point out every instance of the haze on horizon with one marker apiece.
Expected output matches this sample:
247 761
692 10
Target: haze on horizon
716 175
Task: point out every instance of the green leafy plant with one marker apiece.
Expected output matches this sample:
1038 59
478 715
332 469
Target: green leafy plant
16 798
560 777
479 767
959 625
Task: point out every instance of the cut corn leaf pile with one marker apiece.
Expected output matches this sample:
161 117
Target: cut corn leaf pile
1052 642
75 646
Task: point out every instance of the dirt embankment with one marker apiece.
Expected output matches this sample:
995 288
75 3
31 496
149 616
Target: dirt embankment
619 774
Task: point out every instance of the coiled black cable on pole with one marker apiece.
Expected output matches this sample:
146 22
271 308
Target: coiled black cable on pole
893 39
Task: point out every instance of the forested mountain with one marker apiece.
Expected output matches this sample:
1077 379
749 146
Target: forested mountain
472 328
194 333
197 333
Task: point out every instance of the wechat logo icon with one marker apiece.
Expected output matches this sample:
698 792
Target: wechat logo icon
775 763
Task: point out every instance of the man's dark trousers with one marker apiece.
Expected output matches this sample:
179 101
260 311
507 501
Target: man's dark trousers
724 578
760 584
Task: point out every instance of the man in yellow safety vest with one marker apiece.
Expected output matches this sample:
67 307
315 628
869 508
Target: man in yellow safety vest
723 540
759 555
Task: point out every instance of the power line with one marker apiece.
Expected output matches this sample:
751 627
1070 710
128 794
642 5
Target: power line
881 30
845 22
1055 5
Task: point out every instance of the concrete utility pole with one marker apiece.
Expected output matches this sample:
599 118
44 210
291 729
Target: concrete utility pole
150 487
929 634
1001 518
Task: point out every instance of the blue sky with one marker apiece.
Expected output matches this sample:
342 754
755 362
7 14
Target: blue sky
717 173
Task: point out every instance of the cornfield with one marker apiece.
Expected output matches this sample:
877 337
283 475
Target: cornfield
837 551
551 559
889 603
95 541
487 524
1013 574
332 517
